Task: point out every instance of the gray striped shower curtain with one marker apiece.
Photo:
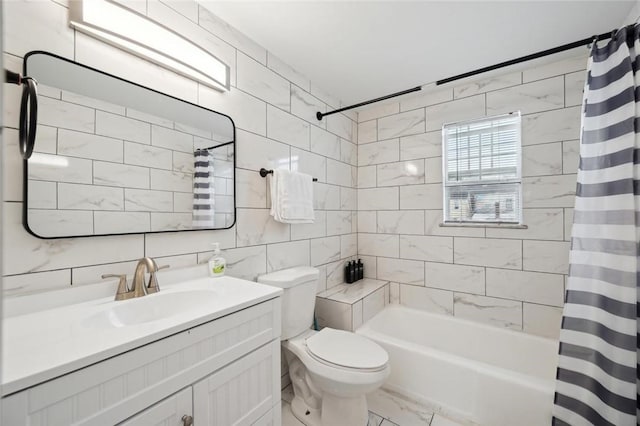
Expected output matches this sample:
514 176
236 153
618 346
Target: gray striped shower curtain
203 190
597 375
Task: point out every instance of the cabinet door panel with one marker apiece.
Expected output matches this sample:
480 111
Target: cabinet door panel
167 412
242 392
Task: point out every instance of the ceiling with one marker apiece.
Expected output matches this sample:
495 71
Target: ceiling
358 50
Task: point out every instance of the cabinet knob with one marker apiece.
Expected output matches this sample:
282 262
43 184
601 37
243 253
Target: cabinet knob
187 420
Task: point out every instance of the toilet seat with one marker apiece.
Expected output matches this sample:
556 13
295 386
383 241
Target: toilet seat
339 348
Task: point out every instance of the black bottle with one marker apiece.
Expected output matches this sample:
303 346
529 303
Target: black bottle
347 273
360 269
352 272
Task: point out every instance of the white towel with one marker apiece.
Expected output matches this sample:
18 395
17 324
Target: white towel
291 197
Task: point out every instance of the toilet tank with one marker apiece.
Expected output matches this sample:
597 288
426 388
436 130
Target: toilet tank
299 297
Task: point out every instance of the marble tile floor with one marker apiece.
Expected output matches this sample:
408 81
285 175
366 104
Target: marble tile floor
386 409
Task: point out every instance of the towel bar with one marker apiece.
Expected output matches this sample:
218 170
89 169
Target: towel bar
264 172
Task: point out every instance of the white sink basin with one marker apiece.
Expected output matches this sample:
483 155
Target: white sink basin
149 308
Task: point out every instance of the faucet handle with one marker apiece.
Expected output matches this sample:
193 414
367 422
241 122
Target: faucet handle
153 286
123 289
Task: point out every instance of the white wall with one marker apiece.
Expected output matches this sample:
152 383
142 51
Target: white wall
274 110
506 277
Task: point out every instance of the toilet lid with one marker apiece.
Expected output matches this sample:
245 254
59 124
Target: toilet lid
346 349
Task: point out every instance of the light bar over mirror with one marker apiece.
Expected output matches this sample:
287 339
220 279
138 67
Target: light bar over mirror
140 36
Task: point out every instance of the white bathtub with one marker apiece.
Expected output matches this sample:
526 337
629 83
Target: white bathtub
468 371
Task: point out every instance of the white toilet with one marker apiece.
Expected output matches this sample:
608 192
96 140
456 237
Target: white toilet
331 370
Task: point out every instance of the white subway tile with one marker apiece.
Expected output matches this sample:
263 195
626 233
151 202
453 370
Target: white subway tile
573 88
541 160
171 139
570 156
148 156
46 139
20 285
326 197
339 222
307 162
372 304
427 299
348 152
433 170
119 127
528 98
154 119
91 102
403 124
325 250
121 222
317 229
454 111
113 174
400 222
369 263
568 223
85 145
287 72
367 177
325 143
378 110
378 199
247 262
184 162
488 252
258 80
255 152
305 106
287 255
426 98
251 189
335 273
90 197
66 115
379 152
466 279
401 173
542 320
428 196
394 293
424 145
551 126
256 226
348 199
433 219
348 245
248 112
400 270
379 245
177 243
29 254
542 224
498 312
487 84
356 314
144 200
534 287
367 221
367 131
434 249
549 191
576 63
339 173
287 128
333 314
546 256
340 125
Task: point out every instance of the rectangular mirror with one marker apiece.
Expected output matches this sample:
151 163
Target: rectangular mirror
113 157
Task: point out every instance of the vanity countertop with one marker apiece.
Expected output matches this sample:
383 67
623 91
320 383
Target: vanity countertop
39 346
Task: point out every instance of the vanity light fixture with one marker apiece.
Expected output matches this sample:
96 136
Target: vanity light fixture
136 34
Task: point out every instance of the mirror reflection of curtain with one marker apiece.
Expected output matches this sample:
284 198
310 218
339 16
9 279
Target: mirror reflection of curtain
203 190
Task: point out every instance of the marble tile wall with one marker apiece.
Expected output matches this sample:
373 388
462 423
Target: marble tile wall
502 276
273 107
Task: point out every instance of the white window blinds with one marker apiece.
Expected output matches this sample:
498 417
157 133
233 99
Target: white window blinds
482 177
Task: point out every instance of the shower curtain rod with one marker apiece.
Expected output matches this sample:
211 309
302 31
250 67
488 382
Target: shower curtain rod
541 54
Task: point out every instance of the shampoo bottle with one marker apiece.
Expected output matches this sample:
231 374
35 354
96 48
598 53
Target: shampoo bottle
217 263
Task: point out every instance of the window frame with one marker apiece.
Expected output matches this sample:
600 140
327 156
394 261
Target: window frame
517 180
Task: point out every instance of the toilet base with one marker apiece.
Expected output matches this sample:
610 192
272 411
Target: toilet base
307 415
341 411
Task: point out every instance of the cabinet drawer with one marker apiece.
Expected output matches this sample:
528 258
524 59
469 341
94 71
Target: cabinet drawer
241 393
117 388
169 411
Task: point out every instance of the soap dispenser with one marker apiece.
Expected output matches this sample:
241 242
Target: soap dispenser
217 263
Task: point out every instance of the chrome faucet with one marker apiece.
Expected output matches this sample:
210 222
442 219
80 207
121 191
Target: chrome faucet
138 289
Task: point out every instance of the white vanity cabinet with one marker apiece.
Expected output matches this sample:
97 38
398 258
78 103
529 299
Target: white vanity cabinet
223 372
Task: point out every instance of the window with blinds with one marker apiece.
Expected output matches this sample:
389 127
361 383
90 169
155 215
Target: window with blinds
482 170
